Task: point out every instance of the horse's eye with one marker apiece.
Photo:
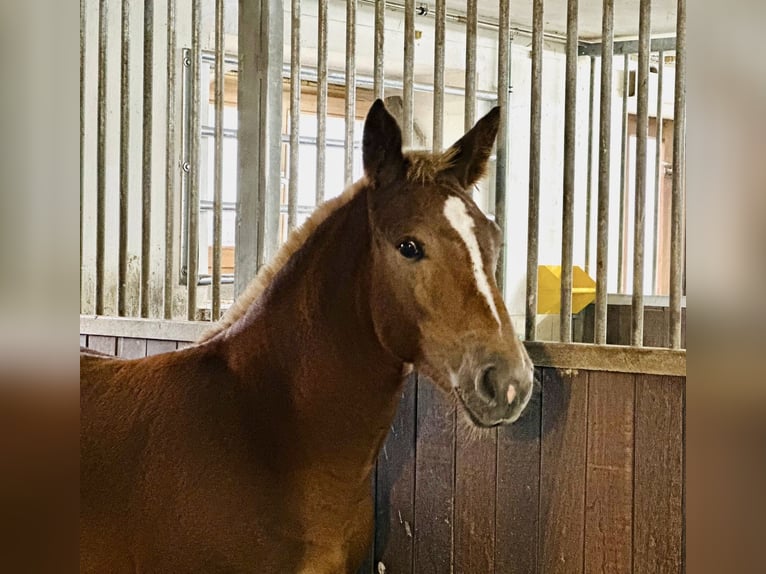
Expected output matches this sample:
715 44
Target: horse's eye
411 249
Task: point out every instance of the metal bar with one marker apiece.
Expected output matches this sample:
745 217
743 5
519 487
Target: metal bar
83 23
170 160
570 127
470 64
604 147
501 163
218 161
628 47
192 269
533 210
678 198
321 101
408 93
589 183
438 120
657 170
122 272
146 156
348 164
623 166
380 27
642 132
101 159
295 113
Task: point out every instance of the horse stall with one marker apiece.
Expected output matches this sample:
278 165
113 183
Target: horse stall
211 129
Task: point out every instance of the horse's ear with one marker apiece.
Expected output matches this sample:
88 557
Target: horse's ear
471 152
381 146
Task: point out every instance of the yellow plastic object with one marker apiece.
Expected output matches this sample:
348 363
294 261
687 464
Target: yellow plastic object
549 289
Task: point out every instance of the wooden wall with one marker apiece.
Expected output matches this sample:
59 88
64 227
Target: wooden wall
589 480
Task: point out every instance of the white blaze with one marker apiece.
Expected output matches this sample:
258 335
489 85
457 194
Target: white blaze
457 214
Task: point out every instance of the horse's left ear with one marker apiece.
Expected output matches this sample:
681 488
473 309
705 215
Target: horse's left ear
382 156
471 152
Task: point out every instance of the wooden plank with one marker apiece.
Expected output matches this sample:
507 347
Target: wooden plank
656 322
368 566
609 482
130 348
475 475
143 328
394 512
434 475
103 344
657 502
155 346
562 470
518 491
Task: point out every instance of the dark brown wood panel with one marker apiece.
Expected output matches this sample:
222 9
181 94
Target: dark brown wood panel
562 471
656 323
103 344
157 346
609 488
130 348
394 510
368 566
434 479
517 513
658 514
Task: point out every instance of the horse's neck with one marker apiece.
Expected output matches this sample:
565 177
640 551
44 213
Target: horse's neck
311 341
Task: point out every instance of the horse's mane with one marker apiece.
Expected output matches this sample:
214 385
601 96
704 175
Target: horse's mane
423 167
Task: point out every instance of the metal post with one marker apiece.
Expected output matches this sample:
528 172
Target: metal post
295 113
589 183
503 88
570 126
623 160
409 77
471 28
678 205
438 121
192 270
604 140
218 161
657 169
380 27
322 100
83 23
642 129
101 159
122 273
146 156
170 160
350 90
533 210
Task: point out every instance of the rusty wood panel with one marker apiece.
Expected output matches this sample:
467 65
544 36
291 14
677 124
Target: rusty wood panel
609 482
562 471
518 491
434 474
396 488
130 348
156 346
103 344
475 476
658 515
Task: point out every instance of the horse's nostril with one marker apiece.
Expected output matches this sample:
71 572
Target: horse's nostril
487 384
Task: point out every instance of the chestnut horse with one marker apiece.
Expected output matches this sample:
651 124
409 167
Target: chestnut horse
252 451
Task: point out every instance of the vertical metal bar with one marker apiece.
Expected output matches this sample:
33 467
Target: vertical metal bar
533 210
218 161
322 100
83 23
589 183
623 166
604 148
503 87
438 121
678 199
170 160
657 169
146 155
295 113
192 270
350 90
101 159
122 273
642 132
380 27
409 74
471 29
570 126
